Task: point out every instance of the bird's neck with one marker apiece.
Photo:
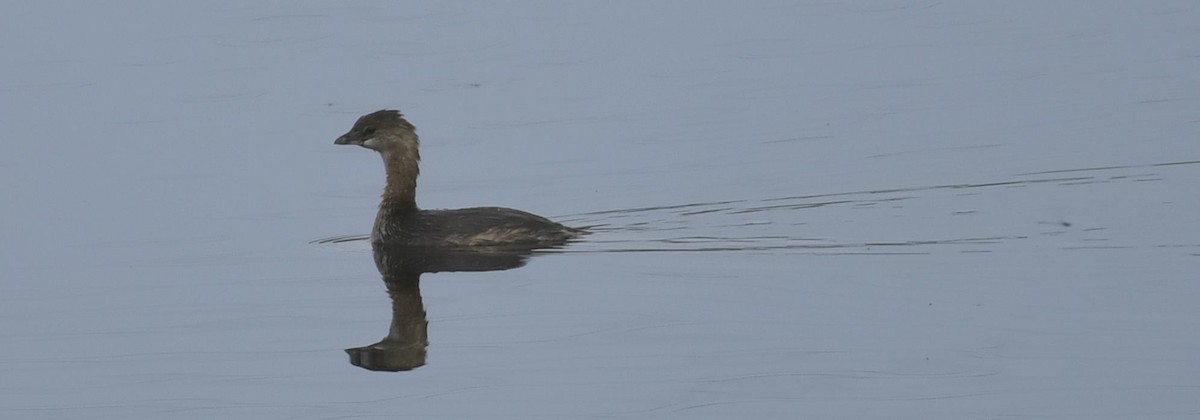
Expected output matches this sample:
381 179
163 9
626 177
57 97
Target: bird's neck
402 170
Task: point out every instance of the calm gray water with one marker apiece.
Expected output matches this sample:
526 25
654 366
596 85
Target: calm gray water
901 209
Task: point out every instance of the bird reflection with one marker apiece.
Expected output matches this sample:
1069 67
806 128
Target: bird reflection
405 345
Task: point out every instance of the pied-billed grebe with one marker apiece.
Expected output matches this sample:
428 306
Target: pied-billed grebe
400 222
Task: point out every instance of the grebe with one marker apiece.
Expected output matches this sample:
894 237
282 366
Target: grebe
400 222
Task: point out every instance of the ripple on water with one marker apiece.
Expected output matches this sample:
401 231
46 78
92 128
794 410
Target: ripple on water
891 221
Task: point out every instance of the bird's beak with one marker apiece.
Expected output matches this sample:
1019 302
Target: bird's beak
345 139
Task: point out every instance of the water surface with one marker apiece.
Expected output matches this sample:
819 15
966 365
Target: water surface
901 210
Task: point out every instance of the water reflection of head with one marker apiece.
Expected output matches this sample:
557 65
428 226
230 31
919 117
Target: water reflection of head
405 345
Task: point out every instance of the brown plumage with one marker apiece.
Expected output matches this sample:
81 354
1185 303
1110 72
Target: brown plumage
401 222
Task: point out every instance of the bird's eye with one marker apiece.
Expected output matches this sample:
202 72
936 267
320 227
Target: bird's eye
369 131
